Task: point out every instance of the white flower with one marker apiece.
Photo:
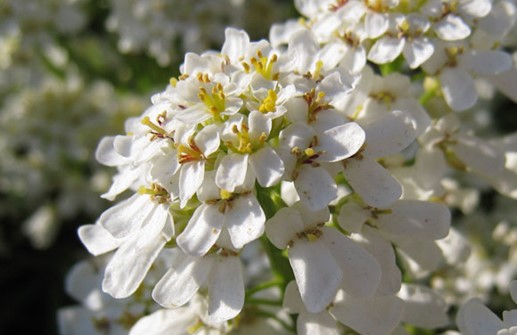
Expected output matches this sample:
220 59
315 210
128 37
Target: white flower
453 19
317 256
407 36
239 213
305 150
387 135
456 63
475 318
221 272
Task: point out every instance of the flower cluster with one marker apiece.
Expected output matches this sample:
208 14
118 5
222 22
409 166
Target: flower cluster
334 149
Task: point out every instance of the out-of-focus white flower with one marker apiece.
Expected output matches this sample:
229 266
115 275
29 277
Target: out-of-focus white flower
475 318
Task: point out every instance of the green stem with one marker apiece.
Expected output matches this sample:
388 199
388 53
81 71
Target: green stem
271 202
259 301
263 286
276 318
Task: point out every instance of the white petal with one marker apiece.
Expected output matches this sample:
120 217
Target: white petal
207 140
389 135
283 226
382 250
316 324
370 316
352 217
126 216
236 44
416 219
480 156
268 166
376 24
292 300
82 279
245 220
157 220
225 289
506 82
487 62
106 153
302 49
341 142
191 177
203 229
258 124
354 59
361 271
129 266
477 8
375 185
97 240
386 50
424 307
474 318
452 28
181 281
315 187
122 181
231 172
310 218
317 274
163 321
417 51
422 254
458 89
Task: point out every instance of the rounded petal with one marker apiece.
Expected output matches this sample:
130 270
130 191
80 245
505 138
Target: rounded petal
181 281
126 216
361 271
452 28
372 182
267 166
129 266
97 240
389 135
236 44
315 187
416 219
474 318
386 50
341 142
245 220
317 274
231 172
316 324
417 52
424 307
283 226
487 62
458 89
203 229
225 289
378 315
191 177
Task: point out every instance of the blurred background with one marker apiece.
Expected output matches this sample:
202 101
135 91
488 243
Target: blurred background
71 72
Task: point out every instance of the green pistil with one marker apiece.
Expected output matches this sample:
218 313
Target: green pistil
269 103
214 101
157 193
156 130
263 65
317 104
